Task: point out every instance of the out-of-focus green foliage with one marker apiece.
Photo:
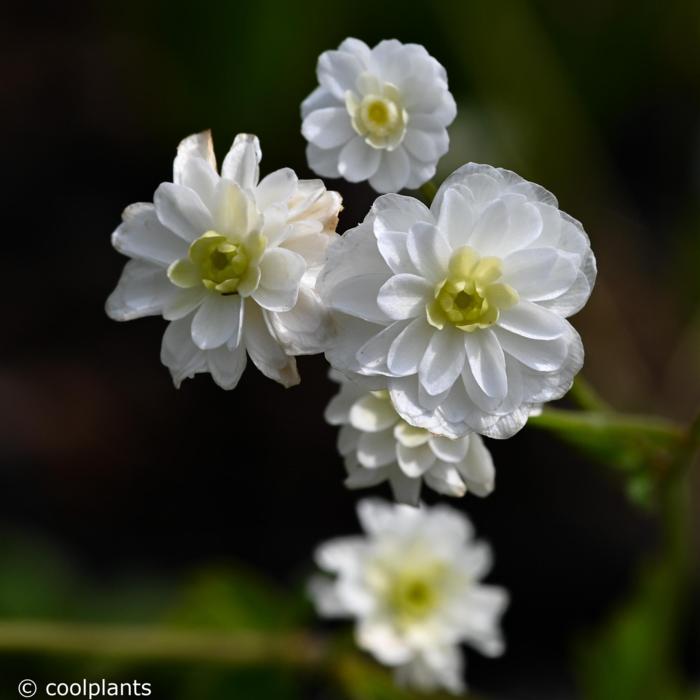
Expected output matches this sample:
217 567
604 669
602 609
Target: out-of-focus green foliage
642 449
633 656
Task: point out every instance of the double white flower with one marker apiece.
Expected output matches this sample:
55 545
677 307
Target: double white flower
413 585
378 114
231 263
378 445
461 309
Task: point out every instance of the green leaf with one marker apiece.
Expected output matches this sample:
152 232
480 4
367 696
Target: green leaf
228 599
640 447
633 656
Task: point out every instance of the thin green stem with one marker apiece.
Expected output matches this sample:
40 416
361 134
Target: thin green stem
586 397
559 419
296 648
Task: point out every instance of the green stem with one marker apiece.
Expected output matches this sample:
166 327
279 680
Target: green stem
558 419
155 644
586 397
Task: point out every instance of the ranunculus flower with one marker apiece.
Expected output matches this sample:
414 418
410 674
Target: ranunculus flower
413 584
231 263
378 114
461 309
378 445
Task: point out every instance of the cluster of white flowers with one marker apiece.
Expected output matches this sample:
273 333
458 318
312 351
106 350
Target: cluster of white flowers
442 324
413 584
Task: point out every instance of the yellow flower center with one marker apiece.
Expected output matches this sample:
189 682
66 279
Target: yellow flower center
217 262
471 296
379 115
414 597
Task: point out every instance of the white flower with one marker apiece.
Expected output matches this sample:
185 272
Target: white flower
231 263
378 114
378 445
413 585
460 310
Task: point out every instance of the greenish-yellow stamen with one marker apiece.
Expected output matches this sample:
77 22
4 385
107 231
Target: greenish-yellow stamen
414 594
470 297
217 262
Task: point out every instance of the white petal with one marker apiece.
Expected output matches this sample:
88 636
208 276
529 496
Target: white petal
539 273
414 461
318 99
337 72
442 362
183 302
226 365
141 235
194 147
328 128
233 212
426 145
477 467
392 246
540 355
179 354
275 188
371 414
445 479
348 438
408 348
357 296
393 171
449 450
323 161
322 590
311 247
362 478
490 229
241 162
358 161
281 273
406 489
181 210
143 290
532 321
404 296
429 251
264 349
487 364
306 328
456 215
396 212
376 449
217 320
373 354
375 515
340 554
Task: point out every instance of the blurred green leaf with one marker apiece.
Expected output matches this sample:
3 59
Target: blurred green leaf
225 599
641 447
632 658
35 581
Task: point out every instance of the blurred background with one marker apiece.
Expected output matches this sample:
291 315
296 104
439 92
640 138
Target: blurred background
118 499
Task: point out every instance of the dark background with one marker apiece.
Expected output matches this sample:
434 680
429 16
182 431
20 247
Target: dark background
106 470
